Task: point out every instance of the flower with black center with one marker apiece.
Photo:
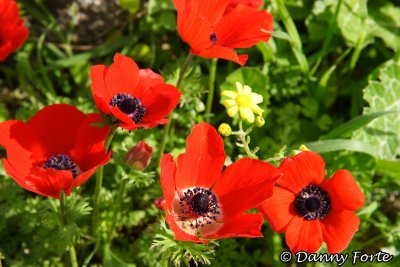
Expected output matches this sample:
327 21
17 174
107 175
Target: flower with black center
201 199
213 29
310 209
13 33
136 97
58 149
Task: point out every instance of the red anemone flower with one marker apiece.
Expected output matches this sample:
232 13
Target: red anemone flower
13 33
212 32
250 3
311 209
199 198
137 98
56 150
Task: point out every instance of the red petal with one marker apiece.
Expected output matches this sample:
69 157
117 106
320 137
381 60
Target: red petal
338 229
302 170
89 150
195 30
167 177
159 101
21 144
147 79
56 127
244 225
217 51
101 94
201 164
211 11
15 173
279 209
244 27
244 185
124 121
302 235
122 76
179 234
49 182
84 176
343 191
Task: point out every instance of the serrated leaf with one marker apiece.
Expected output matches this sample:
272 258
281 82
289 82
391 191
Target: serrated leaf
383 95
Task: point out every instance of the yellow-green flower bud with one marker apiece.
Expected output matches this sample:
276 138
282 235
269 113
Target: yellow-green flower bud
304 148
259 122
224 129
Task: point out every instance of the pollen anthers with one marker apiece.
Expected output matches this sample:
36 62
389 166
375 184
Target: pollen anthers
312 203
197 207
131 106
62 162
213 38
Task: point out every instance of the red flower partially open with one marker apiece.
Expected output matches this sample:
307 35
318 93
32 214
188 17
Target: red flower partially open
13 33
137 98
311 209
212 32
58 149
199 197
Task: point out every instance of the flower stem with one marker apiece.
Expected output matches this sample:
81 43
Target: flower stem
116 210
168 125
244 143
64 222
211 88
99 182
294 35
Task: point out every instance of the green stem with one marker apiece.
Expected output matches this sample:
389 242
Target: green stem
168 125
294 35
116 211
64 222
328 39
242 137
211 87
99 182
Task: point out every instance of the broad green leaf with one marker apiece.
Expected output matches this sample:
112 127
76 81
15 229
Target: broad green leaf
388 167
347 129
342 144
383 95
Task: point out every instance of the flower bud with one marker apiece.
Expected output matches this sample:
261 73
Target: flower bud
139 156
159 203
259 121
224 129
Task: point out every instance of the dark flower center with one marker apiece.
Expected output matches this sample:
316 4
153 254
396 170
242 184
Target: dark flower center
199 205
129 105
312 203
62 162
213 38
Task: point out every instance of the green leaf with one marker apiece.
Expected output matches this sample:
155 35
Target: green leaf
347 129
132 6
342 144
383 95
388 167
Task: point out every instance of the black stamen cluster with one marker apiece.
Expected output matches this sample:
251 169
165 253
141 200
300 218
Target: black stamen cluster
62 162
131 106
213 38
312 203
199 204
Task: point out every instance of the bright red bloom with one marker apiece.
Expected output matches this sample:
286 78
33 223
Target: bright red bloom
250 3
212 32
200 197
139 156
13 33
56 150
136 97
311 209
